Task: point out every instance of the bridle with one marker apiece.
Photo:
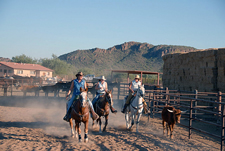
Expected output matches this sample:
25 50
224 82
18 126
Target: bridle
81 99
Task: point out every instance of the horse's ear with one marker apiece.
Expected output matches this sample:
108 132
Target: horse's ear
110 91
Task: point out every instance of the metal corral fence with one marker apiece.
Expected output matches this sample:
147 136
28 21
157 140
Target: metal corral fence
202 110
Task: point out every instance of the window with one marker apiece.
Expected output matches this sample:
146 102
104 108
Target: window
10 71
48 73
0 70
19 71
32 72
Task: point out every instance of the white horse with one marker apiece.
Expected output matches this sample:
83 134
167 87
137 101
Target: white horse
135 109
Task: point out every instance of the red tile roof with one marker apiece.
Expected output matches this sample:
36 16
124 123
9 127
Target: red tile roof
25 66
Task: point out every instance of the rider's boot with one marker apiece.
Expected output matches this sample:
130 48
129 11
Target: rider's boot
113 110
146 111
67 116
124 108
93 114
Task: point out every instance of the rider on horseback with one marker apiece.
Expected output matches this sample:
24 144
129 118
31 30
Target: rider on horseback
75 87
102 88
133 87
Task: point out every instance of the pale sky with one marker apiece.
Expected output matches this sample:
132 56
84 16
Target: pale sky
40 28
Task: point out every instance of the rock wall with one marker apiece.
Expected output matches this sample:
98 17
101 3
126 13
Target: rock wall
203 70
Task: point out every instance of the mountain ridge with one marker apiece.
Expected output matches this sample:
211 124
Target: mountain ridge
127 56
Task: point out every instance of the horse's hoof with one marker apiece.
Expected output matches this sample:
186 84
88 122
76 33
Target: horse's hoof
100 132
72 135
104 130
80 138
86 140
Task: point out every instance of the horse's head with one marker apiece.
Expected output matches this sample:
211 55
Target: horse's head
108 96
141 91
83 97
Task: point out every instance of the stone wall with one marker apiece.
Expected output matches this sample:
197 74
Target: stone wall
203 70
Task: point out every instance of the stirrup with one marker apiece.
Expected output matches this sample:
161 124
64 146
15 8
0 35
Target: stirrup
123 111
66 118
113 110
94 117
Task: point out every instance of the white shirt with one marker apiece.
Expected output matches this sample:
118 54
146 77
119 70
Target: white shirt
135 85
102 90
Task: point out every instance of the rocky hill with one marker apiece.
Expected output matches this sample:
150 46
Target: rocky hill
127 56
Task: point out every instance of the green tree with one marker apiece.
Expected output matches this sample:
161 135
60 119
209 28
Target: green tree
24 59
60 67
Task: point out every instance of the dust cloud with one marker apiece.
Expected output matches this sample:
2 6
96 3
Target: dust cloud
41 112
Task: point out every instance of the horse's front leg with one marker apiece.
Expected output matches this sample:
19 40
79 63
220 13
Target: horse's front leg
100 123
127 118
138 119
78 130
132 122
106 122
86 132
71 126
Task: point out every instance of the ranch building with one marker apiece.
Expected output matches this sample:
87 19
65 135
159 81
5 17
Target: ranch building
24 70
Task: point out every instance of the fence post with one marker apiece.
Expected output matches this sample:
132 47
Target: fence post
11 87
190 118
178 100
196 103
118 95
149 105
219 99
153 105
222 127
167 96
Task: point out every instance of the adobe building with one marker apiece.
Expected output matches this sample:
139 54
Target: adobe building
203 70
24 69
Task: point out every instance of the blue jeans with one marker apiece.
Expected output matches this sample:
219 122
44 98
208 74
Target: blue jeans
96 97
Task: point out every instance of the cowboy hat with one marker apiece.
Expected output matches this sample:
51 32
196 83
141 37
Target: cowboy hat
79 74
102 78
137 77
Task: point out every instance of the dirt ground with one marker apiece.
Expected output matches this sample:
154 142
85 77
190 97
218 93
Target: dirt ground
36 124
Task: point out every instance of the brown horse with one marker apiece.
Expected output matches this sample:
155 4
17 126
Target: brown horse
102 108
80 113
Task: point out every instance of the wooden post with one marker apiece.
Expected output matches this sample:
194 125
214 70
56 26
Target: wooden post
118 96
153 104
190 118
111 76
167 96
196 103
178 100
222 127
149 105
219 99
11 87
157 78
